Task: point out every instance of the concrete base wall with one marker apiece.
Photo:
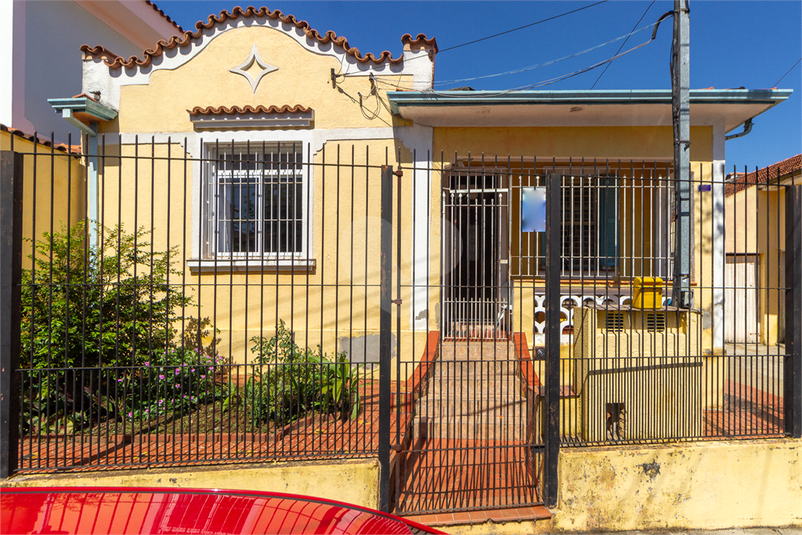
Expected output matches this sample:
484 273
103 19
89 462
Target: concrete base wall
355 482
712 485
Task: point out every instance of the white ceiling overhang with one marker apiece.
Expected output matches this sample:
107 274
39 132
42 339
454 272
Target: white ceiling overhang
728 107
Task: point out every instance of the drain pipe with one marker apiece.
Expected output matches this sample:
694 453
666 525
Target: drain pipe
747 129
85 113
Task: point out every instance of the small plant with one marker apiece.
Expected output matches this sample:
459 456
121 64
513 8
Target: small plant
177 381
288 381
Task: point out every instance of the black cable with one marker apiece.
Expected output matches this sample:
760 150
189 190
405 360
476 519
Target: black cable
520 27
786 74
622 44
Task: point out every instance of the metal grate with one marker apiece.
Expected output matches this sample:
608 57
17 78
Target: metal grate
614 321
656 322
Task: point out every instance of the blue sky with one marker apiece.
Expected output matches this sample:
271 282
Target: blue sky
733 44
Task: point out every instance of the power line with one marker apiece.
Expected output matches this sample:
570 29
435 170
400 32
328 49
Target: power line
786 74
521 27
551 62
622 44
559 78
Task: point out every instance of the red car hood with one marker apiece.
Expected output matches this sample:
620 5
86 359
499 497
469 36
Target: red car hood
187 511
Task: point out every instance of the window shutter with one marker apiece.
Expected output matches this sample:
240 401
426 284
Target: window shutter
608 222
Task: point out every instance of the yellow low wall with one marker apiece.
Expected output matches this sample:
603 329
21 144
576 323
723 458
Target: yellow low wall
355 481
712 485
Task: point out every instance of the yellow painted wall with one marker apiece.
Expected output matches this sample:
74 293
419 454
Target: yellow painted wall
771 241
353 482
302 78
742 222
338 299
54 190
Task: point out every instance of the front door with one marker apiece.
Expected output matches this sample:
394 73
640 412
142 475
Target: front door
474 251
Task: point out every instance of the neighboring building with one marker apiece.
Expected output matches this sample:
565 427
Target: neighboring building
40 42
756 251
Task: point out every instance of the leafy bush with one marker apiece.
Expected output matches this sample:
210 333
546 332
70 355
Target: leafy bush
287 381
107 307
87 306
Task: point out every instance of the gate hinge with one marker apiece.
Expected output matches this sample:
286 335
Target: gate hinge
398 173
396 301
398 447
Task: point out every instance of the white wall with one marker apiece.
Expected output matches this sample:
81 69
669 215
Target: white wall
46 58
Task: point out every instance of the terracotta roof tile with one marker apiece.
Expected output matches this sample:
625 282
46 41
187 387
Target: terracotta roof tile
163 14
115 62
779 169
223 110
61 147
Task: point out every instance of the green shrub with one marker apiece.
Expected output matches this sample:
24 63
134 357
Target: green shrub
288 381
105 307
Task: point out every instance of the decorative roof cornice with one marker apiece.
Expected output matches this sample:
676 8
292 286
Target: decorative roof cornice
115 62
224 110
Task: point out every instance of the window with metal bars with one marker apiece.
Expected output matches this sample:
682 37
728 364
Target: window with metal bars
255 199
589 228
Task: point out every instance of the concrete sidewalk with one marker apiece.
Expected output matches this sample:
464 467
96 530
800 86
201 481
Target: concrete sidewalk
733 531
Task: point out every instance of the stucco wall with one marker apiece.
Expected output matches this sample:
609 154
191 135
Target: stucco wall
353 482
54 193
701 486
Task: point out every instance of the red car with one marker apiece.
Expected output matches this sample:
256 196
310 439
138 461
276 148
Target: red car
150 510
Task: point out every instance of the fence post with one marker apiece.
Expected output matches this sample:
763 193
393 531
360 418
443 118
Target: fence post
10 276
553 268
792 368
385 336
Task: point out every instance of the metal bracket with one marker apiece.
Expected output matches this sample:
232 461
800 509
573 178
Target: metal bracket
396 301
399 173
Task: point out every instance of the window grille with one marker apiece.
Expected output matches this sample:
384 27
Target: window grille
256 199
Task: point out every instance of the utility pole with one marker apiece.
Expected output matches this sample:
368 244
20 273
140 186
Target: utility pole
680 104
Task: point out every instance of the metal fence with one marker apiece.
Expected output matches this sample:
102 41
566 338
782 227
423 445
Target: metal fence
264 302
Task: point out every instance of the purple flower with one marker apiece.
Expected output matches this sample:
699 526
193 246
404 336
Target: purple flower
161 401
178 386
161 376
203 377
177 371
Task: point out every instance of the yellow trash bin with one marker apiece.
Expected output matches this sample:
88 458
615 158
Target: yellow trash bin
647 292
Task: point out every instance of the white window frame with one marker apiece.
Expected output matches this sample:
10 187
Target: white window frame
211 258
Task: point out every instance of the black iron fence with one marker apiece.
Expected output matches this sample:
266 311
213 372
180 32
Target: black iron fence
165 305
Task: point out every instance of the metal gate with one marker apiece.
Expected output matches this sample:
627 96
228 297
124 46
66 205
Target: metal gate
475 439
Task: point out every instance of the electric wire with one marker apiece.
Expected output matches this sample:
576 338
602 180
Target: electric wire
542 83
521 27
551 62
622 44
786 74
338 75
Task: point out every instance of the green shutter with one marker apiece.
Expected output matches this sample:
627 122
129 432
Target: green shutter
608 222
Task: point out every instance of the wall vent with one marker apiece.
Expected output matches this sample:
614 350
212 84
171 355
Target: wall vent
614 321
656 322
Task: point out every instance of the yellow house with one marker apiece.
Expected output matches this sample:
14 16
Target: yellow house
756 251
254 102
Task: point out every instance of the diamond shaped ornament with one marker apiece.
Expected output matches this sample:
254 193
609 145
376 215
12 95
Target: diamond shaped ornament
246 67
